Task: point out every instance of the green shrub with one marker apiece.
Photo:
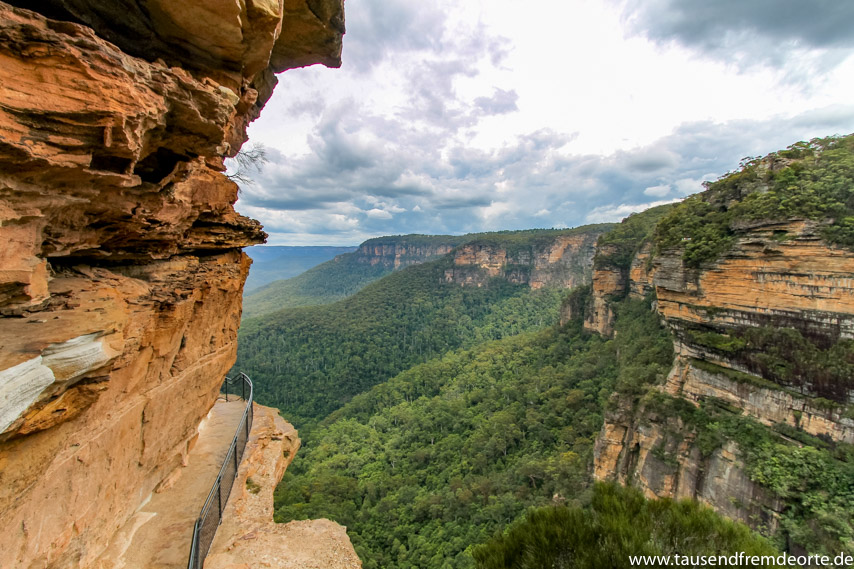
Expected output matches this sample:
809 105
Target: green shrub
811 180
618 523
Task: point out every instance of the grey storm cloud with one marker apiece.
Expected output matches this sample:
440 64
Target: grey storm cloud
651 160
462 202
826 118
749 32
432 93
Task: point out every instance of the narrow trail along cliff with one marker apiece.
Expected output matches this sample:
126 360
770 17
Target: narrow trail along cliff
157 535
121 271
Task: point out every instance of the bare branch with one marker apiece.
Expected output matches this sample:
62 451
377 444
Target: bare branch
248 161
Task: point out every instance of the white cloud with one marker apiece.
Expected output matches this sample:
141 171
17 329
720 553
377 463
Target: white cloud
378 214
657 191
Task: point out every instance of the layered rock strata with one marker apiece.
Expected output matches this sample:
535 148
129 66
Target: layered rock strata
121 271
776 276
564 261
395 254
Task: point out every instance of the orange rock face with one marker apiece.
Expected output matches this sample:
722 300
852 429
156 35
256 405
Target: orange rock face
121 272
397 256
563 262
796 276
778 274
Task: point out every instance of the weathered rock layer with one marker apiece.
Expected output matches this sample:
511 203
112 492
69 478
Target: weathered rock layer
121 271
776 276
562 261
396 253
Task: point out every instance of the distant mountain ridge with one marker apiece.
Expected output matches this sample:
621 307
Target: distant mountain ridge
550 257
277 262
345 274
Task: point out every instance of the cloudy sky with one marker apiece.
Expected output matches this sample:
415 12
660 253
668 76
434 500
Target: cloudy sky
454 117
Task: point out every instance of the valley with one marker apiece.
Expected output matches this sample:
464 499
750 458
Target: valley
440 403
600 313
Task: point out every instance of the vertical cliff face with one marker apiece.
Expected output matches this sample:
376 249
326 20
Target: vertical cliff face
782 289
560 259
394 253
621 267
763 336
121 273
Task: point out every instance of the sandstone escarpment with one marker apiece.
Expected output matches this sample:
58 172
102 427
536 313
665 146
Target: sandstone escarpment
121 273
746 329
395 254
561 261
657 451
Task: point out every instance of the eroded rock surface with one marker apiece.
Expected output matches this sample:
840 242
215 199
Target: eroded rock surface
777 275
121 271
564 261
395 254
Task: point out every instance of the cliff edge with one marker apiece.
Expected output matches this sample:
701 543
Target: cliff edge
121 270
753 277
248 536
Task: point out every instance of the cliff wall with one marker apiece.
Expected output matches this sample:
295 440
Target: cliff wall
750 331
559 261
394 255
121 271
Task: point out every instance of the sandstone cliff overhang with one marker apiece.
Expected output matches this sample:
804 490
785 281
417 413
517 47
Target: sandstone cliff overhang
120 265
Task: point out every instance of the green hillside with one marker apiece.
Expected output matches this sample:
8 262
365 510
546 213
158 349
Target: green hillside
309 361
442 456
330 281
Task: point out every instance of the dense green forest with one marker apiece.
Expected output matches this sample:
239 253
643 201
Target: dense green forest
618 523
309 361
442 456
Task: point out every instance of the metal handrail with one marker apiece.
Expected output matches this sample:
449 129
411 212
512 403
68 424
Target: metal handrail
209 519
